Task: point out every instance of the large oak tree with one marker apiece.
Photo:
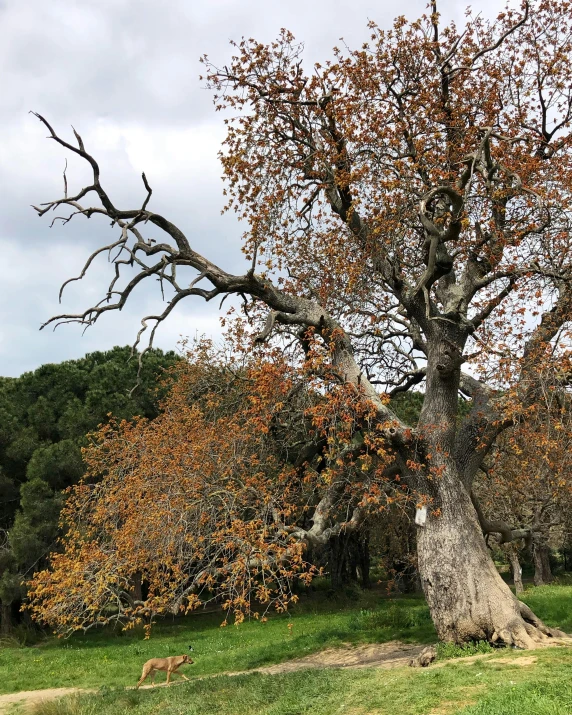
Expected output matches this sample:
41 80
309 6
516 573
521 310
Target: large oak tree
408 209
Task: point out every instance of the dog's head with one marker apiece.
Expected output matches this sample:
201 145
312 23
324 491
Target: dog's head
187 659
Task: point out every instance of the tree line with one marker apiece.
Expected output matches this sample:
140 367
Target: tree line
45 416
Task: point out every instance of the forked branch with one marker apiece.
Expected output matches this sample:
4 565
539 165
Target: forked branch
133 250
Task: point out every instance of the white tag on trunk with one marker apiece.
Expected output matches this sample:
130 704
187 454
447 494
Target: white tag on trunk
421 516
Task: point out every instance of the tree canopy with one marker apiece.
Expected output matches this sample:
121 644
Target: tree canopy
408 223
213 498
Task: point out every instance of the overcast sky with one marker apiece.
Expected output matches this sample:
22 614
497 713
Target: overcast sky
125 73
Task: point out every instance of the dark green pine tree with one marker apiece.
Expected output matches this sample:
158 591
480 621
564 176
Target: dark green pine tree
44 418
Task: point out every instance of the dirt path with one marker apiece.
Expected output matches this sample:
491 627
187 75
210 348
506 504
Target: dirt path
24 701
375 655
28 698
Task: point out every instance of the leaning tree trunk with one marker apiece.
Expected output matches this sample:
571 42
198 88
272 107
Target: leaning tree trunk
467 597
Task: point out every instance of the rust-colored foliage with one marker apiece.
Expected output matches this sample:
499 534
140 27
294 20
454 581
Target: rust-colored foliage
201 503
408 222
528 477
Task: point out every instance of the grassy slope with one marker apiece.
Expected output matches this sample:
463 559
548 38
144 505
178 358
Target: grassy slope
88 661
116 659
498 689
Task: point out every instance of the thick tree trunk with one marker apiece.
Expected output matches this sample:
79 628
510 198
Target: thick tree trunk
136 590
337 562
466 595
516 569
542 571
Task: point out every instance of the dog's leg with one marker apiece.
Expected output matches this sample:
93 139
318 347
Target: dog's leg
142 678
176 672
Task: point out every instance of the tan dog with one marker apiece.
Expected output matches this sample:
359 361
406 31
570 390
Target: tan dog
171 665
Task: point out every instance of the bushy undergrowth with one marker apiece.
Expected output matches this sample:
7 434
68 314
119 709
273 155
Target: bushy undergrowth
22 635
452 650
402 615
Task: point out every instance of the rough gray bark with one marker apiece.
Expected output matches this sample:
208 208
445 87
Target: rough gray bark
542 571
516 569
466 595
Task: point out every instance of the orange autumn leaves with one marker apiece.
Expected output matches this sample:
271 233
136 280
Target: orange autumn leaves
186 502
529 479
200 503
328 166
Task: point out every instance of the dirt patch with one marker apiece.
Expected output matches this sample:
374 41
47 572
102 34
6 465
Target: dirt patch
28 698
25 700
374 655
522 662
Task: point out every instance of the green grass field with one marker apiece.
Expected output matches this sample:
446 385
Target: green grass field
486 685
497 689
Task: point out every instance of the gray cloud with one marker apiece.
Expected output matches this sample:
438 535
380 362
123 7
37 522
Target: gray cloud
126 75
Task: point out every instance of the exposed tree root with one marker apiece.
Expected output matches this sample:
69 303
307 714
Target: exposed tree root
534 623
425 658
530 633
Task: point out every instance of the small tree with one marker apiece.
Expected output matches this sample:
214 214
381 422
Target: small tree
408 204
202 502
